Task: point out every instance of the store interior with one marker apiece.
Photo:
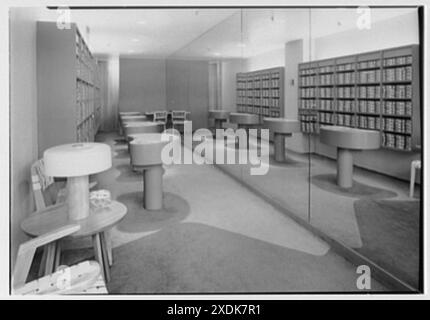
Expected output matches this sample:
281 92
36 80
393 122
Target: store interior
339 89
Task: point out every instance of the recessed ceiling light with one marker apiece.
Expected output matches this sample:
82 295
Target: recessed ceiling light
135 40
217 54
141 22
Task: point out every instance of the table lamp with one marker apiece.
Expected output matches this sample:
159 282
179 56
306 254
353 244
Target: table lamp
76 161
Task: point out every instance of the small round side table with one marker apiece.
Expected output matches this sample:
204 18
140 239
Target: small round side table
95 225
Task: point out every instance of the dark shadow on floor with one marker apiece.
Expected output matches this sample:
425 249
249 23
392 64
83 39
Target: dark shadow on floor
197 258
122 153
328 182
137 219
390 231
120 141
127 174
289 162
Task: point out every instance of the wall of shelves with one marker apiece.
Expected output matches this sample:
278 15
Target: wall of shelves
375 90
261 92
69 98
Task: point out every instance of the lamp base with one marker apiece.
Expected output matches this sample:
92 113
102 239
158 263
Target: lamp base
78 199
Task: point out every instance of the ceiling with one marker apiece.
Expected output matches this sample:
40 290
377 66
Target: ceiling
211 33
254 32
145 32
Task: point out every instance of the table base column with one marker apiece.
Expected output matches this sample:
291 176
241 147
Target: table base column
345 163
279 144
153 188
78 198
218 123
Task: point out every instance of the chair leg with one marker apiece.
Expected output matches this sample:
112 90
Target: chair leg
42 265
57 257
99 251
412 182
105 256
50 257
109 246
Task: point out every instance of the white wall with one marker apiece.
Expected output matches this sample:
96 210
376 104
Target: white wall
109 74
113 92
229 69
271 59
23 110
187 88
142 84
395 32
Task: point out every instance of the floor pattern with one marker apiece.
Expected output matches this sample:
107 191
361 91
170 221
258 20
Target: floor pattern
333 210
213 235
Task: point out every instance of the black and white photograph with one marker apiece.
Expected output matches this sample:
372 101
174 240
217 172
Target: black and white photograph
208 150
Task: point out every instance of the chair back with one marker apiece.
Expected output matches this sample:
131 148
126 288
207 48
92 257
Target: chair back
179 115
160 116
41 185
82 278
27 250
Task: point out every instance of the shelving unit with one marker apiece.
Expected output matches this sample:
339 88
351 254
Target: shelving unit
261 92
69 100
375 90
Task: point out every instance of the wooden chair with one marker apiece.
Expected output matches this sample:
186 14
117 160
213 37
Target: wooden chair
46 193
179 118
82 278
45 190
160 116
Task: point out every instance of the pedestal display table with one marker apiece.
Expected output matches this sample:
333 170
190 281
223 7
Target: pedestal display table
143 127
95 224
130 113
245 121
219 117
124 119
133 118
281 129
348 141
150 115
127 113
145 155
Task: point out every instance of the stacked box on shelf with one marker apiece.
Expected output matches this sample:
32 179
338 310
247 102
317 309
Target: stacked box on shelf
68 93
308 114
326 93
86 78
376 91
263 92
400 112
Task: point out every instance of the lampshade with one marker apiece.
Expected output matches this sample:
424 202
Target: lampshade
77 159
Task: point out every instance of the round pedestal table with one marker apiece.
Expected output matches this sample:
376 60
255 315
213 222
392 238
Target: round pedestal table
281 129
348 141
219 117
245 121
146 156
